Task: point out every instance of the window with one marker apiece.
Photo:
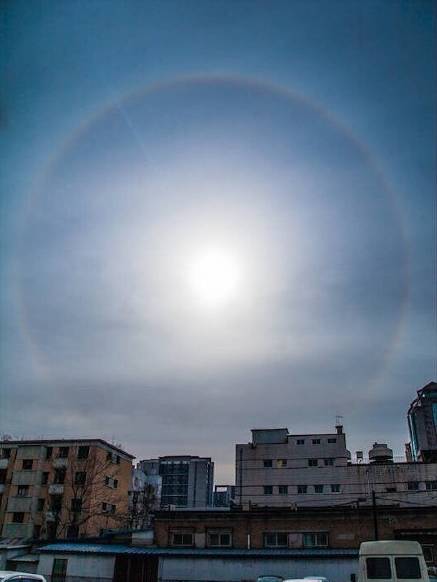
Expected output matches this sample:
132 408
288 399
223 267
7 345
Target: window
268 489
182 539
113 508
300 442
115 483
36 532
275 540
283 489
44 478
63 452
407 568
59 570
332 441
23 490
329 462
27 464
301 489
391 489
76 505
316 441
40 504
5 453
83 452
378 568
104 506
268 463
335 488
18 517
59 477
318 488
313 462
49 452
315 540
2 476
217 539
281 463
80 477
431 485
413 485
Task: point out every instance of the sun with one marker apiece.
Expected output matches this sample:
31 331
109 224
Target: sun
214 277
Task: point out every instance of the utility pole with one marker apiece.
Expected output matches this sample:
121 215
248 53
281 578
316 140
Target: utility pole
375 516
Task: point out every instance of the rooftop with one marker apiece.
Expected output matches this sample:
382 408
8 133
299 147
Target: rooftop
51 442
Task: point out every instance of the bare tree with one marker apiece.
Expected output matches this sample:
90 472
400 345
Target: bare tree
89 491
142 505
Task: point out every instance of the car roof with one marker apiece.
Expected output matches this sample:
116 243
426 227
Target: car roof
390 548
4 573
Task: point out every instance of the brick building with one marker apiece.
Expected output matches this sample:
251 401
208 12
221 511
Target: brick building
333 528
62 488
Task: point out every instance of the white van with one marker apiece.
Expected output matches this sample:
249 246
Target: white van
392 561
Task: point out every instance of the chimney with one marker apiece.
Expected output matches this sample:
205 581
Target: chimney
339 428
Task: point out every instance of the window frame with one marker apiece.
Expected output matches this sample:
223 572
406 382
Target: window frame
284 489
265 487
374 559
218 532
182 533
317 541
266 544
402 560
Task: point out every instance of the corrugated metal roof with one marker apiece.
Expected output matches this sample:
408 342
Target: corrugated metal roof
112 549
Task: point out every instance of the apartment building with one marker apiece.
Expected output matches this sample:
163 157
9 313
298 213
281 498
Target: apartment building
62 488
422 424
186 480
279 469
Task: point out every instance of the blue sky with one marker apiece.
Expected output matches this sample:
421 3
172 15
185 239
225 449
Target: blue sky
298 136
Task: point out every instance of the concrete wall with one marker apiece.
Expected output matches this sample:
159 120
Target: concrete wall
80 568
239 570
355 481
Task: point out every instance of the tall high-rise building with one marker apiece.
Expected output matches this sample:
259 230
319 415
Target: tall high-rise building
422 423
187 481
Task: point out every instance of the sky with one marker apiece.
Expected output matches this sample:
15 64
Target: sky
216 216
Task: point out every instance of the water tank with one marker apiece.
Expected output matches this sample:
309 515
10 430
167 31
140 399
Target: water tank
380 453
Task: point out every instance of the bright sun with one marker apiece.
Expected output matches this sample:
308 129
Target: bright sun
214 277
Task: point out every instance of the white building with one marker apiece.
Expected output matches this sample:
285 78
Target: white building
278 469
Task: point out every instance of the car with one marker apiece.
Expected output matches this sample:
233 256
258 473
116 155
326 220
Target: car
270 578
11 576
317 578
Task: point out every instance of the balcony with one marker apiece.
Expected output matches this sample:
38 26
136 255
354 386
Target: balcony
56 489
60 463
19 504
18 530
4 463
24 477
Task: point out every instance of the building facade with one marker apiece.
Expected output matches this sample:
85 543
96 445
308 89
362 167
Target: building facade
302 529
422 424
187 481
278 469
62 488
